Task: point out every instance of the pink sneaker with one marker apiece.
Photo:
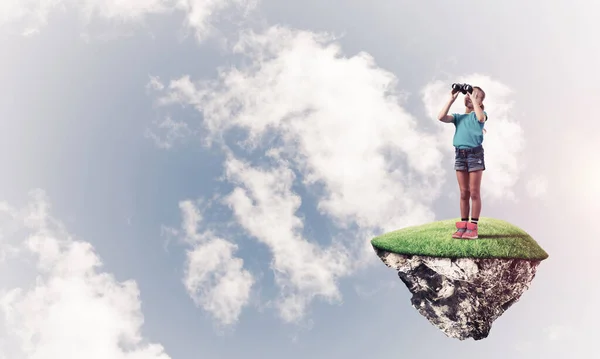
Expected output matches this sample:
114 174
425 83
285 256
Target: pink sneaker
471 232
461 227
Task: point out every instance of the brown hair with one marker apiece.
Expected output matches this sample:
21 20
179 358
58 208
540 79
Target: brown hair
483 93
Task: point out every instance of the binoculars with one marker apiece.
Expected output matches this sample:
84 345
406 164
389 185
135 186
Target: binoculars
464 88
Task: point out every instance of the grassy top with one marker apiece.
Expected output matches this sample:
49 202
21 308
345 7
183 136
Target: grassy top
497 239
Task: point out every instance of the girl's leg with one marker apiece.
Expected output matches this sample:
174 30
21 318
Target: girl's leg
474 186
476 167
464 186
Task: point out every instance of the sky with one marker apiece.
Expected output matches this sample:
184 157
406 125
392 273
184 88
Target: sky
201 179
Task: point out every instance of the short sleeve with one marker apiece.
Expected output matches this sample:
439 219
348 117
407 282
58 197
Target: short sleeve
454 117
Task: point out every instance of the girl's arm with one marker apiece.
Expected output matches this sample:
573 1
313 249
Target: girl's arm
479 113
443 115
481 117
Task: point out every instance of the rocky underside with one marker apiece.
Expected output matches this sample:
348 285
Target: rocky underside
462 296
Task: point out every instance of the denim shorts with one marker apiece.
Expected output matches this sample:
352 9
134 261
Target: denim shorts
469 159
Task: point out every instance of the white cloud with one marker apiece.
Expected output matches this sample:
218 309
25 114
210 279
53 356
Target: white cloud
503 142
537 186
339 119
169 131
155 84
200 13
338 123
265 206
68 308
33 15
214 277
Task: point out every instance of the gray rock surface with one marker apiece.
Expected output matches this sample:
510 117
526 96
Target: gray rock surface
462 296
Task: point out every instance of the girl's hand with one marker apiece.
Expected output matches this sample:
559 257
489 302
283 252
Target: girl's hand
453 94
474 100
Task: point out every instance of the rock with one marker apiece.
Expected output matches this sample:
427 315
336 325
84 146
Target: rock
462 296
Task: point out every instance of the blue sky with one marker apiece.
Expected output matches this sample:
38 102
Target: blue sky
258 246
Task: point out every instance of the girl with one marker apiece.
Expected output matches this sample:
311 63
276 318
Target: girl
469 157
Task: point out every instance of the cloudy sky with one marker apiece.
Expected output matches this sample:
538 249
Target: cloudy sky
201 178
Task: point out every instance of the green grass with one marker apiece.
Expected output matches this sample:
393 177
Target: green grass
497 239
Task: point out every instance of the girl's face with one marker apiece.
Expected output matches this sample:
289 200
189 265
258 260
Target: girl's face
477 95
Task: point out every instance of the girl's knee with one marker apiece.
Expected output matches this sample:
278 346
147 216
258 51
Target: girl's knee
465 194
474 195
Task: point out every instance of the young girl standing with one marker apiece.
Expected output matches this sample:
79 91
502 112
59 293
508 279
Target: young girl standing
469 160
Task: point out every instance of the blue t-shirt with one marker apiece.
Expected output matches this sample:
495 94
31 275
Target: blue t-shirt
469 131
